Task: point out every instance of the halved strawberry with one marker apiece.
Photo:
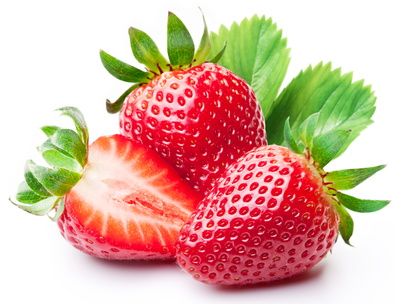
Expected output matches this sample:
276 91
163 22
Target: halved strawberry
125 202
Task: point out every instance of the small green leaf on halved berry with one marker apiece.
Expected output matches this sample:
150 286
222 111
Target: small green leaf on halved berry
65 151
350 178
326 146
346 225
56 157
58 208
26 195
79 122
360 205
33 182
180 46
147 52
116 106
57 181
42 207
49 130
70 142
122 70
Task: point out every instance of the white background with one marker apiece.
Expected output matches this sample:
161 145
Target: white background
49 58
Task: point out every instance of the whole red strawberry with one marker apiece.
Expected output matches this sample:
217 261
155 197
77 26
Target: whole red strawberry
272 215
114 199
197 115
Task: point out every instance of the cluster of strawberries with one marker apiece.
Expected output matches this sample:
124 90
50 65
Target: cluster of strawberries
191 176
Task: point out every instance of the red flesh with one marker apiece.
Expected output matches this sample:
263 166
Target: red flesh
129 203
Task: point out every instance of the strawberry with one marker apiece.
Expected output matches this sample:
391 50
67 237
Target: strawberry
116 199
197 115
273 214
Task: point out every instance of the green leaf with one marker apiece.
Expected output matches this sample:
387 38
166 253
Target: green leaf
146 51
257 53
218 56
49 130
79 122
33 182
180 46
204 47
307 130
42 207
57 157
69 141
116 106
26 195
360 205
326 146
56 181
58 210
350 178
341 103
122 70
346 225
290 140
65 151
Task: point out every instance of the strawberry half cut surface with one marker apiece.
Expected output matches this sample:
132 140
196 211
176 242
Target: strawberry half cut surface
116 199
196 114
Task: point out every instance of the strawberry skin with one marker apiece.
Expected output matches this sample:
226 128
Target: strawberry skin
199 120
128 204
268 218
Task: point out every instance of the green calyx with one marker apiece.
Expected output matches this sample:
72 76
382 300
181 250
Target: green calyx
322 148
180 50
65 151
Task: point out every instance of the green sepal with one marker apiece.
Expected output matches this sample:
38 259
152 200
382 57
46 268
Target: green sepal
79 122
350 178
58 208
42 207
122 70
69 141
146 51
56 181
33 182
290 139
26 195
29 201
65 151
327 146
116 106
218 56
54 156
50 130
180 46
361 205
204 47
307 130
346 225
